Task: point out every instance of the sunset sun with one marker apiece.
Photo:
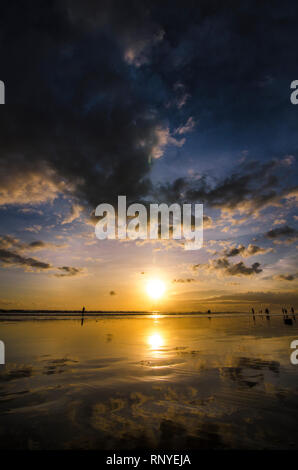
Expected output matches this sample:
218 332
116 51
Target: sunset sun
155 288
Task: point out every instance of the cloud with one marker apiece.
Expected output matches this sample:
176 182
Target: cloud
33 228
26 180
112 292
10 258
279 221
268 297
161 139
130 25
225 268
120 92
288 160
187 127
118 128
252 187
69 271
289 233
12 254
282 235
41 245
251 250
7 241
30 210
285 277
188 280
207 222
75 212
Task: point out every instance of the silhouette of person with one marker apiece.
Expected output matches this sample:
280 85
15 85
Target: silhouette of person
83 310
253 311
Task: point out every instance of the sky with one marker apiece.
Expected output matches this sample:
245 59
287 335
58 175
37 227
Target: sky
164 102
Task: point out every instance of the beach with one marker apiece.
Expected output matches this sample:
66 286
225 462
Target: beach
148 382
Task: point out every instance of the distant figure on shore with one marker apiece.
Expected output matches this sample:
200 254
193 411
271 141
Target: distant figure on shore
267 314
293 313
253 315
83 312
209 311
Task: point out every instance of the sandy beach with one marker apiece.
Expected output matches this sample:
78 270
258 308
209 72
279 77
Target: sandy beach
148 382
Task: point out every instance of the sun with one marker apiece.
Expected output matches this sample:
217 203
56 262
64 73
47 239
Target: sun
155 288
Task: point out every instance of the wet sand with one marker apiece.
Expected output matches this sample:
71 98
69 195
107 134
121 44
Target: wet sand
148 382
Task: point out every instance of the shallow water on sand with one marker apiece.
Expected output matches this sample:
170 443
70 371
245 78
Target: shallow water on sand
173 382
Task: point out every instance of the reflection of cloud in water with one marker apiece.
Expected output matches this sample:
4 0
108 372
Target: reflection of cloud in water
58 366
250 372
13 372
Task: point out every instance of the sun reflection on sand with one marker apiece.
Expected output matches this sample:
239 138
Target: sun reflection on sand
155 341
156 315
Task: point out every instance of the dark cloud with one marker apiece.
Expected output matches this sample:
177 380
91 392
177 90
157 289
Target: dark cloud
249 189
69 271
250 250
10 258
112 292
8 241
188 280
284 231
11 254
225 268
95 98
37 245
85 125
